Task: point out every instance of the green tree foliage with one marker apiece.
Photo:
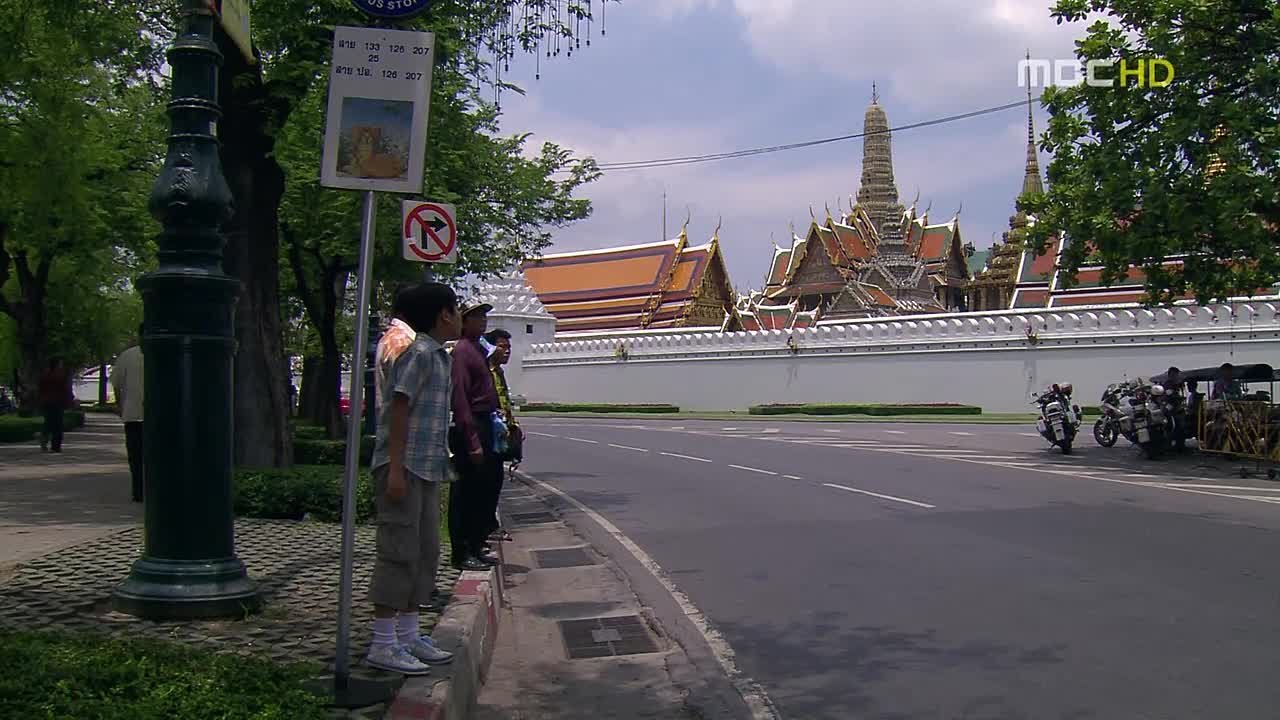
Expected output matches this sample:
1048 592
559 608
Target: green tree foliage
79 146
1144 173
505 201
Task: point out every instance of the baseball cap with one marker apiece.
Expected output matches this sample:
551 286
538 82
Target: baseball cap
467 308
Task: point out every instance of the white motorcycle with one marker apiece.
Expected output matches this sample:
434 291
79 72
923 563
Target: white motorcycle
1059 420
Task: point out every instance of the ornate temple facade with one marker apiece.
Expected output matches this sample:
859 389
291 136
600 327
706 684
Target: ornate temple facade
658 285
878 259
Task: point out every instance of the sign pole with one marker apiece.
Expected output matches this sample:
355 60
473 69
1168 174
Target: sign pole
351 692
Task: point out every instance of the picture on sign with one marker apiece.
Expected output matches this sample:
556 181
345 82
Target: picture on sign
375 138
376 120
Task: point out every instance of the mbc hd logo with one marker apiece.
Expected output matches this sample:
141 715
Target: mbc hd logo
1138 72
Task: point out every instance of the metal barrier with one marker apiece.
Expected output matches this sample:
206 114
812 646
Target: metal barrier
1247 429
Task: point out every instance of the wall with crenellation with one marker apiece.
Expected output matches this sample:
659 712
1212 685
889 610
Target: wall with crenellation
994 360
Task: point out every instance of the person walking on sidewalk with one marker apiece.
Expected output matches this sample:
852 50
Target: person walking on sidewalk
56 397
471 439
126 380
410 462
500 341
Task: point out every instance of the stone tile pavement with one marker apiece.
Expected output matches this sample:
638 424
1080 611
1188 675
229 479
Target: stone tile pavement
69 534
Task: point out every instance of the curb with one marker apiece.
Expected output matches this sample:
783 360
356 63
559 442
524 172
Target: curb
468 628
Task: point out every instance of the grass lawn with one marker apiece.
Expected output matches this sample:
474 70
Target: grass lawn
97 677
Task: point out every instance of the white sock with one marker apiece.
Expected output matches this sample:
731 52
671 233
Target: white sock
384 632
407 628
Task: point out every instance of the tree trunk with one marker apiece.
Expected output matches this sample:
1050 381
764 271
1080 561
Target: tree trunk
262 437
31 318
327 413
102 383
307 393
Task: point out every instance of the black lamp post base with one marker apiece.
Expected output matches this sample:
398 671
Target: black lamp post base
187 590
354 693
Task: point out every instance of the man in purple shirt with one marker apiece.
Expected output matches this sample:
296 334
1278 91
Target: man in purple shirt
474 401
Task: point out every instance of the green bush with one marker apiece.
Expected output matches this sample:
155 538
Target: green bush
330 452
17 429
594 408
86 675
1091 410
310 432
864 409
302 490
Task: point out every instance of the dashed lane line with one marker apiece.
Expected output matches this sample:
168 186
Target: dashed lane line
896 432
846 488
754 470
582 440
792 477
542 434
627 447
685 457
962 434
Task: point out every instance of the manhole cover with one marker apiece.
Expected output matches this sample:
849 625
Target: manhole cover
606 637
533 517
563 558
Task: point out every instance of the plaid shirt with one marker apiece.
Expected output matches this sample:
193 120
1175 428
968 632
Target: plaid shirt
422 374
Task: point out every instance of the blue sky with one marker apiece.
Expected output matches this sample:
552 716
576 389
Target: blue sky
682 77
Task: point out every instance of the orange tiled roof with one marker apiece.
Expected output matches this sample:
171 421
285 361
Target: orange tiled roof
857 244
935 243
778 270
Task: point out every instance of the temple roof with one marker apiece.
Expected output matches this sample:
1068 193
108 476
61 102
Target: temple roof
635 286
510 294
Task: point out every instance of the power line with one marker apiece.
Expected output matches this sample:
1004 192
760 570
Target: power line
712 157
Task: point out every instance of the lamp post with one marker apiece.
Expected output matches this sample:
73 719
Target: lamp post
189 567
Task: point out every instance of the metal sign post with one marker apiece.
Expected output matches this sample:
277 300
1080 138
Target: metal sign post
375 140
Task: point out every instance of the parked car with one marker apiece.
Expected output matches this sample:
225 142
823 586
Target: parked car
344 405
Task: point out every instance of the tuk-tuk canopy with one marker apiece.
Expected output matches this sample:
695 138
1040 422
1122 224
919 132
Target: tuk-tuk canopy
1239 373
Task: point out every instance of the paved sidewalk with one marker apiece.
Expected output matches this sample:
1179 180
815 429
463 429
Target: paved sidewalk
575 642
50 501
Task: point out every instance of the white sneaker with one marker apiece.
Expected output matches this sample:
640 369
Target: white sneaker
396 659
424 649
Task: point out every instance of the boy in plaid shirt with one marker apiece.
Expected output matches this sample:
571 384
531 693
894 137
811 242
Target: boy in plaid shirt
410 461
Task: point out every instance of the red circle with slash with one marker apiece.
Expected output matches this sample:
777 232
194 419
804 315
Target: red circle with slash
432 219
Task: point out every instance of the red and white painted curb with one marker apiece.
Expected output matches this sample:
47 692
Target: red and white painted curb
468 628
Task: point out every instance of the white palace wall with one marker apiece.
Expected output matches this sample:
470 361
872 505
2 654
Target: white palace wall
994 359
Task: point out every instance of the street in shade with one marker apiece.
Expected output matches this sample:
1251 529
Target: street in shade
860 570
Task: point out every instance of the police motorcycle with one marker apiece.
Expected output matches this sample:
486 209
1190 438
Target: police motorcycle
1115 421
1059 419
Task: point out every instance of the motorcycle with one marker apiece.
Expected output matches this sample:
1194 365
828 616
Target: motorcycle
1059 419
1112 426
1147 418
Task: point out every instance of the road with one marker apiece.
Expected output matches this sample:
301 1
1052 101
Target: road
945 571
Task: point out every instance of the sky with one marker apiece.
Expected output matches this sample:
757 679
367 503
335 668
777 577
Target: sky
685 77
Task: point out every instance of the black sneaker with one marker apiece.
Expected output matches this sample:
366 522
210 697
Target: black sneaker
475 564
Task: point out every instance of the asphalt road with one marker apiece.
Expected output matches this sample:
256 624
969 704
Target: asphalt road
932 571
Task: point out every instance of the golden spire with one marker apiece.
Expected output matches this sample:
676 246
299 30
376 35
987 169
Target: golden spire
1031 180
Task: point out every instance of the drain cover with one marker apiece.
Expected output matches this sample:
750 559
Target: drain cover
533 517
606 637
563 558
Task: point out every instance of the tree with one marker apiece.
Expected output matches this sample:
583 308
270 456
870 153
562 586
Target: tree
1144 173
79 144
506 204
292 40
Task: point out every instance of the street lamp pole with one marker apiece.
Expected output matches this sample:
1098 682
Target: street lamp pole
189 567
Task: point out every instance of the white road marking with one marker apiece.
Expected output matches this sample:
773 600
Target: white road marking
727 429
878 495
589 442
792 477
1029 434
755 696
833 431
991 457
754 470
685 457
964 434
1261 498
896 432
1212 486
674 427
627 447
935 451
770 431
542 434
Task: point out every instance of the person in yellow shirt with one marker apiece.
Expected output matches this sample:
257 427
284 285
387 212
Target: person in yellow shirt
500 341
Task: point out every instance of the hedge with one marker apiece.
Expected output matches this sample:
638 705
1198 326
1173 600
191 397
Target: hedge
313 491
862 409
16 429
593 408
89 675
310 432
330 452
